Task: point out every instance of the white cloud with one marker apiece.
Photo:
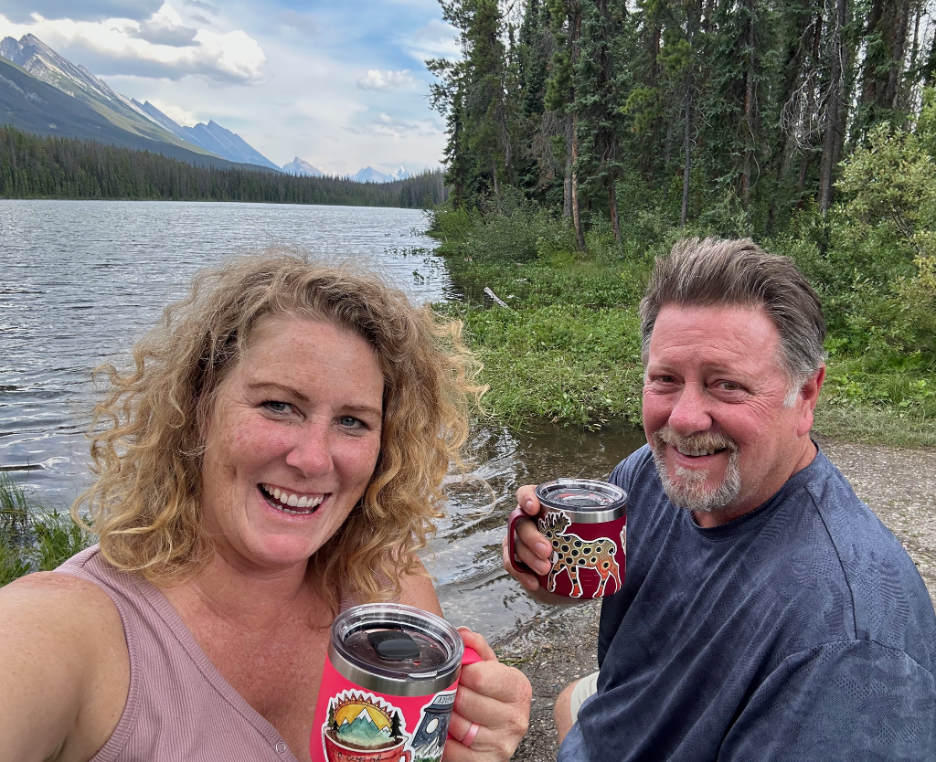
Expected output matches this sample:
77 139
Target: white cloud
435 40
204 6
165 28
234 56
176 114
155 48
386 80
387 126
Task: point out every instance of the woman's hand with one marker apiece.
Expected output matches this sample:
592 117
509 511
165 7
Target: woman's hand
493 696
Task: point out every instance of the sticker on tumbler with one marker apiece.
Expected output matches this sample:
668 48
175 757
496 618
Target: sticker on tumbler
429 738
362 727
572 554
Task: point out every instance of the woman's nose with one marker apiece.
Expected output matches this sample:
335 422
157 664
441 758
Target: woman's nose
311 450
690 413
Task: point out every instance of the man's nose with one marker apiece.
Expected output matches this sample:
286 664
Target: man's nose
311 449
690 413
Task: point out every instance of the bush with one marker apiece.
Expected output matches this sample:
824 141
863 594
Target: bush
564 363
31 537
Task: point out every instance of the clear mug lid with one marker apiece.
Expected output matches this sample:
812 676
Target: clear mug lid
395 649
587 500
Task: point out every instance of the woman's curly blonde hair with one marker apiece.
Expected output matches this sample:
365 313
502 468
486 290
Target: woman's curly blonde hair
147 447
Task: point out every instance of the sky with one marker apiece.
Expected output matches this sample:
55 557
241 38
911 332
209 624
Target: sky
340 83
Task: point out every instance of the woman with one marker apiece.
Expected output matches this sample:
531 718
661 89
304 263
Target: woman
276 455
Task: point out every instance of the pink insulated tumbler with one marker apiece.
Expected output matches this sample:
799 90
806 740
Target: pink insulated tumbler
388 686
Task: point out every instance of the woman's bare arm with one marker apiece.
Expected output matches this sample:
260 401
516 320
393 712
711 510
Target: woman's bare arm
65 669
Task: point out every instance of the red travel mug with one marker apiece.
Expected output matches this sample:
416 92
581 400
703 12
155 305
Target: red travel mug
586 522
388 686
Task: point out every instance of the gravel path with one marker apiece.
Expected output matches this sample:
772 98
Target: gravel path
899 485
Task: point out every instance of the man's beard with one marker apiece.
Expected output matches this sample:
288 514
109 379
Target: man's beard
690 493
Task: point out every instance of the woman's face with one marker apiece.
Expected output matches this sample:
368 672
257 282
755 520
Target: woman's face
291 443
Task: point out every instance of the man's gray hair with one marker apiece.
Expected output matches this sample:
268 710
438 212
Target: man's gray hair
714 273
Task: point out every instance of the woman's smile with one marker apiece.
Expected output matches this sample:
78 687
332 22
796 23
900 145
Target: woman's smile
291 502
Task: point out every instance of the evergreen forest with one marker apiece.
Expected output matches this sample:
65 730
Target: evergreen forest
732 113
586 136
32 166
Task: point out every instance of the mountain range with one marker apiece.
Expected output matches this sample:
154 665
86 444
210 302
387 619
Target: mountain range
44 93
211 137
371 175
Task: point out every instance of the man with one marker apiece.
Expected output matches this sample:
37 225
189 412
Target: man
766 613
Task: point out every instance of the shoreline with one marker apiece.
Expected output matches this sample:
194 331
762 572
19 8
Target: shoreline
560 646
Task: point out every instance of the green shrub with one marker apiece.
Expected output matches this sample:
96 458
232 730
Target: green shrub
564 363
450 226
33 538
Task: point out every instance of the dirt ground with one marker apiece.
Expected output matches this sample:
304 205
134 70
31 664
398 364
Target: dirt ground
899 485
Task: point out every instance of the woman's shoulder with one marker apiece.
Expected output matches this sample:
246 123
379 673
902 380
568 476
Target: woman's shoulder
61 640
61 603
417 590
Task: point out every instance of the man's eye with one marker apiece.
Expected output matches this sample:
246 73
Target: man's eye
729 386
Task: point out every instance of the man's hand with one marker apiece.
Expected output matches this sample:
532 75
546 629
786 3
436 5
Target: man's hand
532 549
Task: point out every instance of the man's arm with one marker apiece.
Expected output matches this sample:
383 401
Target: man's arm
840 701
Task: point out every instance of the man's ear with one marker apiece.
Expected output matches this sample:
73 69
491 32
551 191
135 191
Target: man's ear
808 397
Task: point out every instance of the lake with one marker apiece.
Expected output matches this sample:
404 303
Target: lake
81 281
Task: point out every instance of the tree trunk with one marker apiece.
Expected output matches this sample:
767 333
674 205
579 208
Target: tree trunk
613 209
810 105
687 124
567 177
834 128
687 152
576 32
576 216
898 53
748 117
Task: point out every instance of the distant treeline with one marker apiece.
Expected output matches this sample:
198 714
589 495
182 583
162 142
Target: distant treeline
32 166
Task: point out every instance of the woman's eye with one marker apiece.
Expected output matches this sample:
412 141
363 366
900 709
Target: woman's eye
349 421
277 407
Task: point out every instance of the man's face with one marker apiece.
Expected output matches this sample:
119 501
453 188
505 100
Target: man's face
713 410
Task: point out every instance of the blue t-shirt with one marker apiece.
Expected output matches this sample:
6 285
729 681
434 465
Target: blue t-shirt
800 631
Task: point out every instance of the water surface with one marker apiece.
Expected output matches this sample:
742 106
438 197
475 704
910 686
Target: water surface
81 281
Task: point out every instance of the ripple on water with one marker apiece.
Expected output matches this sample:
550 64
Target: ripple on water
81 281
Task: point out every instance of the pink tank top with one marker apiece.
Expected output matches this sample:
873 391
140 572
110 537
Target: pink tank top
179 706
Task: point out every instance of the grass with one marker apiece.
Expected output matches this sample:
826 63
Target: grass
33 538
567 349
